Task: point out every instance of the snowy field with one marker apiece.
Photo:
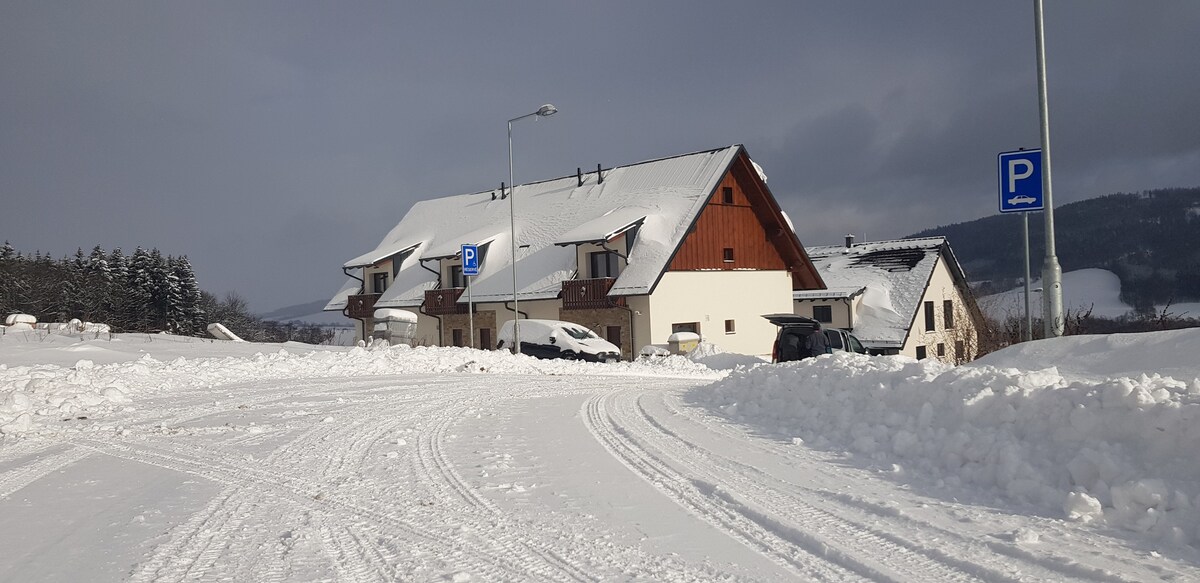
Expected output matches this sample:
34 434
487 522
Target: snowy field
1094 290
159 458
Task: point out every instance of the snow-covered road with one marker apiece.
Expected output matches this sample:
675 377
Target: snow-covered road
493 477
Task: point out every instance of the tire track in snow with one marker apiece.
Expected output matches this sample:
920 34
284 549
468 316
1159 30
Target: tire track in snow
990 560
14 479
205 536
805 562
856 545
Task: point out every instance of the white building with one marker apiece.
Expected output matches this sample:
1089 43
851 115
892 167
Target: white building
907 297
688 243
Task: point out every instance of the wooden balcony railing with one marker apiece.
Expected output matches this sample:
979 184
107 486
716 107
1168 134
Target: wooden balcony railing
440 302
589 294
361 305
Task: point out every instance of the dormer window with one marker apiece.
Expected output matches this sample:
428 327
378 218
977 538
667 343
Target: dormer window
456 277
602 264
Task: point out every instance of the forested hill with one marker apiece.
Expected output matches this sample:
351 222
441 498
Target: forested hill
1150 240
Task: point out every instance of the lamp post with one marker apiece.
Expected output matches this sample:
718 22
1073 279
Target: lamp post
543 111
1052 304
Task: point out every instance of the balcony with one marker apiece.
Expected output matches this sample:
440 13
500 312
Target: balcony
362 305
442 302
589 294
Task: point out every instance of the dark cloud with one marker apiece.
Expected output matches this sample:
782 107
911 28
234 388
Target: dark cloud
270 141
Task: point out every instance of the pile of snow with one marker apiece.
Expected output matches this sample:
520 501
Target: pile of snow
35 397
1119 444
711 356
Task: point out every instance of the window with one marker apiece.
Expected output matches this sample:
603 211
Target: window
603 264
921 353
457 335
856 346
960 351
693 327
485 339
456 277
727 253
929 323
941 349
729 327
948 313
379 282
613 334
727 194
823 314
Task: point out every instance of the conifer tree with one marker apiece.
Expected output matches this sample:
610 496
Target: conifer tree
139 291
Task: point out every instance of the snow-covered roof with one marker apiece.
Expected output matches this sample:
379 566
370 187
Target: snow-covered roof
892 277
833 293
662 197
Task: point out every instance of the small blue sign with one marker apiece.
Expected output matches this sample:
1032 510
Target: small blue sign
470 259
1021 181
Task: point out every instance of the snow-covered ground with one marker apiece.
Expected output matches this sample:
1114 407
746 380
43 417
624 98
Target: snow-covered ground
1098 290
159 458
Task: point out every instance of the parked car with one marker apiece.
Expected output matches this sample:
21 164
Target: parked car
789 343
558 339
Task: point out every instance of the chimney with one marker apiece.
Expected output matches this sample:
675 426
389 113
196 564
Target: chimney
579 175
599 176
849 240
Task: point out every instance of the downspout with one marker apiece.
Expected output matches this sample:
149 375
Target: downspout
604 246
632 336
421 308
632 333
362 287
508 306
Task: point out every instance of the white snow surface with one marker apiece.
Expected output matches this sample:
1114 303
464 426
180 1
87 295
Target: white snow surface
1097 290
160 458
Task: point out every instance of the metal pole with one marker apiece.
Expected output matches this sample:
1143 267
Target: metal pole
1026 334
512 217
471 314
1052 308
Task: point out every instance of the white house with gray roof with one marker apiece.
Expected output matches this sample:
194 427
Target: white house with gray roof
687 243
908 296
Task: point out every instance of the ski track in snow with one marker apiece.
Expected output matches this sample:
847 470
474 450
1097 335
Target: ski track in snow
359 479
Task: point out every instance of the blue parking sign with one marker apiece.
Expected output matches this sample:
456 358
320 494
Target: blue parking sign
470 259
1020 175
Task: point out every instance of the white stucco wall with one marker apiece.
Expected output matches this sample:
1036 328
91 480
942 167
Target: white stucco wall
842 310
711 297
941 288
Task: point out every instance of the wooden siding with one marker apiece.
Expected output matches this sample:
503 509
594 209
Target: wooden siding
440 302
589 294
728 226
361 306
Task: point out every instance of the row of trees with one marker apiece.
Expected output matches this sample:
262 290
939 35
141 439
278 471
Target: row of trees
142 292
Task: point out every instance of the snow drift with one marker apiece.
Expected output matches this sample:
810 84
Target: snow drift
1121 448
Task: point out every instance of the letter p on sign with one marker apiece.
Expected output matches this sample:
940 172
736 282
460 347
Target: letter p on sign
1026 170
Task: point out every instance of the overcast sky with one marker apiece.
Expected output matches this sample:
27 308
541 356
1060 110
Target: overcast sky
272 141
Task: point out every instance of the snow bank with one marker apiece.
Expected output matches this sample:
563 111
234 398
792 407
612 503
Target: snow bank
1117 449
34 398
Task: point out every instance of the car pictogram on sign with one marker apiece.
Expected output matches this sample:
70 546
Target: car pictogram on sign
1022 199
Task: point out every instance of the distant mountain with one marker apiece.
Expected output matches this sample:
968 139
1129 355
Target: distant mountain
1150 240
309 313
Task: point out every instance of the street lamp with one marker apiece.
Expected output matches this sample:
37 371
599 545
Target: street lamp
543 111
